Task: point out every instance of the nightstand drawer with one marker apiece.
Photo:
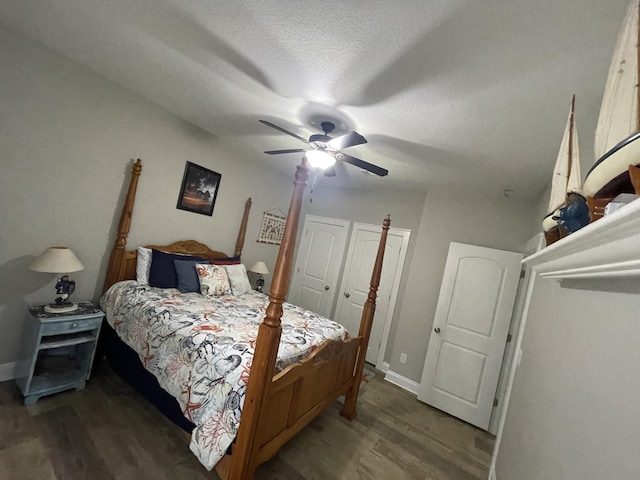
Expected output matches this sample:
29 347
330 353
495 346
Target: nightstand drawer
70 326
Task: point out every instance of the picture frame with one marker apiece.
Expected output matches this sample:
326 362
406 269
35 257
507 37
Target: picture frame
199 189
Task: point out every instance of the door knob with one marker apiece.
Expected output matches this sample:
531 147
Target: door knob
437 329
347 294
326 287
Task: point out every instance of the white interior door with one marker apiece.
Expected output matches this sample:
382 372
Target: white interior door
361 256
315 275
470 330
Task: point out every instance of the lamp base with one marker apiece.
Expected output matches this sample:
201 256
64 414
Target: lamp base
61 307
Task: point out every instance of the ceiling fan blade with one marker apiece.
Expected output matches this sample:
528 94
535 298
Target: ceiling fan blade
330 172
273 125
347 140
291 150
370 167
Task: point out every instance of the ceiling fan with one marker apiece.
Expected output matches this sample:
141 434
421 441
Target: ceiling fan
326 150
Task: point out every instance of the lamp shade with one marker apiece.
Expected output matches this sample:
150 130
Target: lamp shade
57 260
259 267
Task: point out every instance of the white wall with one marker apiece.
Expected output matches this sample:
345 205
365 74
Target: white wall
449 216
67 138
573 412
574 406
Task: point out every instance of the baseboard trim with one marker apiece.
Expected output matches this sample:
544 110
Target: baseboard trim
8 371
402 382
12 370
385 367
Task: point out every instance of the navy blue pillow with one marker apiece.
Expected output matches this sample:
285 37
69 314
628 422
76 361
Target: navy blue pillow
188 280
162 273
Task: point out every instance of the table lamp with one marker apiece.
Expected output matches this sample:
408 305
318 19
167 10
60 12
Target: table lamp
261 269
60 260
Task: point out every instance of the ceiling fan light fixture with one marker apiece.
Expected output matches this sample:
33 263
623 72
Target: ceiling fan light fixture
320 159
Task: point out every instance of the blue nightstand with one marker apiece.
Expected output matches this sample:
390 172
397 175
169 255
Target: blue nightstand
62 346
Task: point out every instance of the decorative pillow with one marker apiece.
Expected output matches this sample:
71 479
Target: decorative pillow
162 273
187 275
225 261
143 265
238 279
213 280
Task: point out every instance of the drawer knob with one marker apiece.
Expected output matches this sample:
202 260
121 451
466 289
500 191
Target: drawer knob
74 325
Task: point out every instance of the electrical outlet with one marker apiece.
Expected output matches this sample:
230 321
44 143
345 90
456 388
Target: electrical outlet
403 358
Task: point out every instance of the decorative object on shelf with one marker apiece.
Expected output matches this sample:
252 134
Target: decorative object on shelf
620 201
568 210
261 269
272 228
199 189
617 139
604 255
59 260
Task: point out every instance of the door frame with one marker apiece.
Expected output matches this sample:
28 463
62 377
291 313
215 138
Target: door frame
532 246
308 218
406 235
535 244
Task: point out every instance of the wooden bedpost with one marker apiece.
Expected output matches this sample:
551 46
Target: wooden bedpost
117 254
349 408
243 228
266 349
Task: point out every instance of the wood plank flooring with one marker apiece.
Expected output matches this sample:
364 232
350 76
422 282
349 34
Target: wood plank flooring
108 431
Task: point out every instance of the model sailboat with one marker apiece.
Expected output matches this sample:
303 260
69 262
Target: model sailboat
567 207
617 140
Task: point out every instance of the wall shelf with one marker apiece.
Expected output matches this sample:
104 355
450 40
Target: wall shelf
607 250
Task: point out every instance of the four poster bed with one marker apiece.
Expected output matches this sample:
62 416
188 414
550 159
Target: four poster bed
297 365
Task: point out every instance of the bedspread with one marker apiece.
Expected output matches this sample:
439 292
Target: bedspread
200 349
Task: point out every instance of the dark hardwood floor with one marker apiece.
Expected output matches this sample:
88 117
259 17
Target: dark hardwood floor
108 431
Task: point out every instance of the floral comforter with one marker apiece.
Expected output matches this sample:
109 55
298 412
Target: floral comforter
200 349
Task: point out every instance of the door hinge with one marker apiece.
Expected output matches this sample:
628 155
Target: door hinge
509 337
522 273
495 402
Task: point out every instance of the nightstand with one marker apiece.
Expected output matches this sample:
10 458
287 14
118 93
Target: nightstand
62 347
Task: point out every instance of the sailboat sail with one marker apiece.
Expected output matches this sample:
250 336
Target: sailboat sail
617 138
619 111
568 210
566 173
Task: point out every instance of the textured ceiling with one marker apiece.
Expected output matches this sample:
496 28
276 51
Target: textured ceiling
466 94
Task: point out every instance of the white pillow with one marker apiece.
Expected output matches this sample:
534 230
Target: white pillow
143 265
238 279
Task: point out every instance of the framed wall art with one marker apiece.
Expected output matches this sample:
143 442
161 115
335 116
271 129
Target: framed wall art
199 189
272 229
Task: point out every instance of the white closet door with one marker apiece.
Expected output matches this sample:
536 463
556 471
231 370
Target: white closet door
315 278
363 248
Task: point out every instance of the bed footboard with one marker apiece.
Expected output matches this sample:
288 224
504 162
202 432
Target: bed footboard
302 391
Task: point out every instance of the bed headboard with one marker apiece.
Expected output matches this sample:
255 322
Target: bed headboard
122 263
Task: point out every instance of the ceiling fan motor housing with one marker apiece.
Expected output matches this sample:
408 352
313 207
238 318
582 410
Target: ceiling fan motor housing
319 140
324 144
